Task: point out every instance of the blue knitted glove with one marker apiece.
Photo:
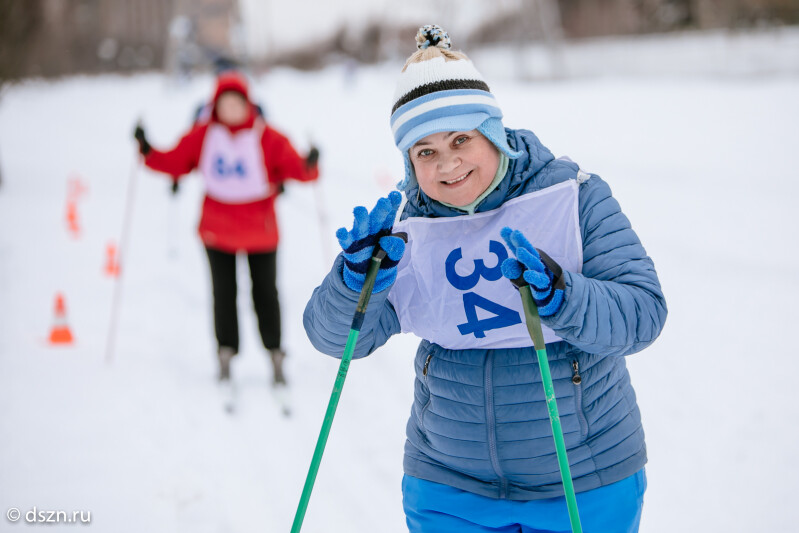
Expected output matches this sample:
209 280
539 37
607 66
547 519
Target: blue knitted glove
537 269
359 243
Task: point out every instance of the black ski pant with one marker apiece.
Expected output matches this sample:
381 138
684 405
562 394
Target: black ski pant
263 272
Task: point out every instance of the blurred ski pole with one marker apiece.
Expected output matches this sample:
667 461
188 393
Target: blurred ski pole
321 214
534 328
173 219
349 349
321 211
123 247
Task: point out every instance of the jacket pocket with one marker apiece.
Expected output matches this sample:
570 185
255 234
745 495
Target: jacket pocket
577 381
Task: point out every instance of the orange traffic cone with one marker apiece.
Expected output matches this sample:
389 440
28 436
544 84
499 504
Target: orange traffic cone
76 188
73 224
112 261
60 333
384 179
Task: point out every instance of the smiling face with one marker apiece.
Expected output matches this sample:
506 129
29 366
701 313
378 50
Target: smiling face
454 167
232 108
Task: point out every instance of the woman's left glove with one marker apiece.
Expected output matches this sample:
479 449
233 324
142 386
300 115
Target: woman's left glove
370 229
536 268
312 159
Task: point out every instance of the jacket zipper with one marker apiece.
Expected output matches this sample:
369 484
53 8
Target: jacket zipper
577 379
426 366
430 398
491 422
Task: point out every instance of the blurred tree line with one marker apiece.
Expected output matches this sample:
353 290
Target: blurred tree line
594 18
56 37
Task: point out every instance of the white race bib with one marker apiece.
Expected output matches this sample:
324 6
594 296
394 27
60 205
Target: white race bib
232 165
450 289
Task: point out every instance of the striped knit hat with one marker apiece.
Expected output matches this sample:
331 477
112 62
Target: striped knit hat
442 91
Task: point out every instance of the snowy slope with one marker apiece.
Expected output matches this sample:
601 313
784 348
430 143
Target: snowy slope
701 166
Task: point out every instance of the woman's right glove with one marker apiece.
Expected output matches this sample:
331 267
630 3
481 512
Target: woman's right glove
144 146
370 229
536 268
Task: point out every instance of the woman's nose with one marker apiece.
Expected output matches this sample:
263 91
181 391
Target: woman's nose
449 163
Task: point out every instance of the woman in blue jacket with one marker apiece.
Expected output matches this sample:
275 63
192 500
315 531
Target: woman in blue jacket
479 454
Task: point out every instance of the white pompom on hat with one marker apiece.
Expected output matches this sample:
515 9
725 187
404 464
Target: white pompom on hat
443 93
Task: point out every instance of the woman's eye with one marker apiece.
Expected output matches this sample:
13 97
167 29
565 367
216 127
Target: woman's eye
460 140
424 153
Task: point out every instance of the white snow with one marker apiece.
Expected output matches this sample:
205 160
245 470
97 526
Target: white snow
703 166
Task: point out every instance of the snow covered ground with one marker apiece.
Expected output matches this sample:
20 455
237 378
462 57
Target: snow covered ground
702 165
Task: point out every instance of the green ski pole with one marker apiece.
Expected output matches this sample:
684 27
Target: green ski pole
349 349
534 327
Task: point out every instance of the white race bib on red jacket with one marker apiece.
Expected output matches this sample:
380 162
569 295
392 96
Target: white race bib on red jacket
450 289
232 165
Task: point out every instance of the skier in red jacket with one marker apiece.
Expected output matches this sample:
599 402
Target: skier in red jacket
243 163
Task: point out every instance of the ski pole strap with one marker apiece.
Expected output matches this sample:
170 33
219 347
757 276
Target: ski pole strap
534 327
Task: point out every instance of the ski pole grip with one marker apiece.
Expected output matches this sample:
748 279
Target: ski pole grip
402 235
380 254
531 317
519 282
369 283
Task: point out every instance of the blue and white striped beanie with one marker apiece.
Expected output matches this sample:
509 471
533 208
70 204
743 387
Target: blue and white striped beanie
441 90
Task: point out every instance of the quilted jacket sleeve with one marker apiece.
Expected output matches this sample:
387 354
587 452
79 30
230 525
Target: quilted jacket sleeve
615 306
328 317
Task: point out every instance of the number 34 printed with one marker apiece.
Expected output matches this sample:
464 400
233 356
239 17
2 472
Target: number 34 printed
503 316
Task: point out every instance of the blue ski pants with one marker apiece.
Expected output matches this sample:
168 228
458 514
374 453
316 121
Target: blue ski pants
436 508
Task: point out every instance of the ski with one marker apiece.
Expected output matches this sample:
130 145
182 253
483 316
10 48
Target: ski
280 393
227 394
227 390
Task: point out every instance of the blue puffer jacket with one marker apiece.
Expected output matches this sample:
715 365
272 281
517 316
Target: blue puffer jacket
479 420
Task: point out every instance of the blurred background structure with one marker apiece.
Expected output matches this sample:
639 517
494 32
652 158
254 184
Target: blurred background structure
48 38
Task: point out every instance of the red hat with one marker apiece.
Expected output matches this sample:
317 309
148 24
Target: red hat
231 81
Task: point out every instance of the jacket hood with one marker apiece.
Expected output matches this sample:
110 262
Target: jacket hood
231 81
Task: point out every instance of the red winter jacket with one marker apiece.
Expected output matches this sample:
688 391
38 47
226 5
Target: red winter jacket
231 227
